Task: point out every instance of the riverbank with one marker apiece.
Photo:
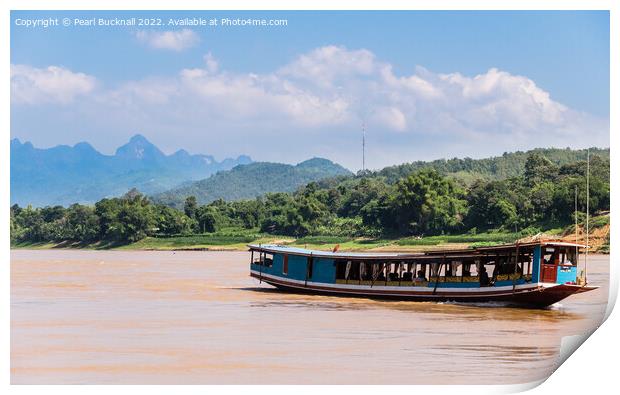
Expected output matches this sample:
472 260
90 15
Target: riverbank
238 241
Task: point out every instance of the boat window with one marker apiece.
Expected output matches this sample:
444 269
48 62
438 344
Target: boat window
471 267
285 264
507 265
378 271
422 274
527 266
551 256
485 277
454 269
341 270
435 267
353 272
263 258
571 256
567 255
408 271
448 269
365 271
394 271
268 260
466 269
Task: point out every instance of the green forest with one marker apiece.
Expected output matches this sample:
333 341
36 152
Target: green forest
518 193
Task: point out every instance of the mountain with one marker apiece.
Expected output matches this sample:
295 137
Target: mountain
80 174
252 180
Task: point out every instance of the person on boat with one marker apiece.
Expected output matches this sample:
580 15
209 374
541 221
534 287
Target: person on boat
484 277
380 276
420 277
393 272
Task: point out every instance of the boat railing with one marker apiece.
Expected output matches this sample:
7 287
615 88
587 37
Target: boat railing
506 277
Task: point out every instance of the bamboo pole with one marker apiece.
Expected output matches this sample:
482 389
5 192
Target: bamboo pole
443 260
585 272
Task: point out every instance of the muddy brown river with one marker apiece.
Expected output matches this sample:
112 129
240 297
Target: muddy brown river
148 317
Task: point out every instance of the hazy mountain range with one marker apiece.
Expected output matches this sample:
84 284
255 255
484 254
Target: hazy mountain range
64 175
80 174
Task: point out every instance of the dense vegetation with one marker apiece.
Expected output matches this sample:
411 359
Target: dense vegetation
426 201
496 168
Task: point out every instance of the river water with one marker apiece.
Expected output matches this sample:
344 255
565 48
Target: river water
149 317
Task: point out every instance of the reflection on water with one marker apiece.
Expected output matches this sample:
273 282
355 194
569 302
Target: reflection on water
197 317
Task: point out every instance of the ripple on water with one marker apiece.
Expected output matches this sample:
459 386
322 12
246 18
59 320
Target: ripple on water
199 318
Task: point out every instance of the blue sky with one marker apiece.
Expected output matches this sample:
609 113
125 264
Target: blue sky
428 84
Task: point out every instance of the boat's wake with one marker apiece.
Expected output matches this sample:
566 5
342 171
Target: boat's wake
478 304
499 304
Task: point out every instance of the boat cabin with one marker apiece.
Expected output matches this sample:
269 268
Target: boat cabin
497 266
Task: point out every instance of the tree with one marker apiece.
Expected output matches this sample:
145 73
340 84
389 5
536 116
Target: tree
426 202
82 223
249 213
541 197
496 204
31 223
170 221
126 219
135 222
15 210
378 214
16 230
209 218
107 211
190 207
539 169
288 221
366 190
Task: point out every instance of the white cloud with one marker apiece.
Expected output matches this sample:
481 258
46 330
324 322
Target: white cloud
390 117
212 65
316 103
333 86
31 85
326 66
171 40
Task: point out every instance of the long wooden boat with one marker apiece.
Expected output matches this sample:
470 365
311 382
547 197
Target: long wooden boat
536 274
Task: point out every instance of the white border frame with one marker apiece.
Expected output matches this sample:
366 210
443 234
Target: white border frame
590 369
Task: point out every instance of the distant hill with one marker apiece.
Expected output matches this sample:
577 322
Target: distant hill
252 180
80 174
495 168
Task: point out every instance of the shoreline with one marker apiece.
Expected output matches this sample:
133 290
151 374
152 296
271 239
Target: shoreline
232 247
327 243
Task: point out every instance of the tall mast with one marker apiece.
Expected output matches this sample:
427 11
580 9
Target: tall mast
576 223
587 217
363 146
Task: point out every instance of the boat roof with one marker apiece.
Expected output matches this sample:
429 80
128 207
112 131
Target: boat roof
326 254
431 254
506 247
